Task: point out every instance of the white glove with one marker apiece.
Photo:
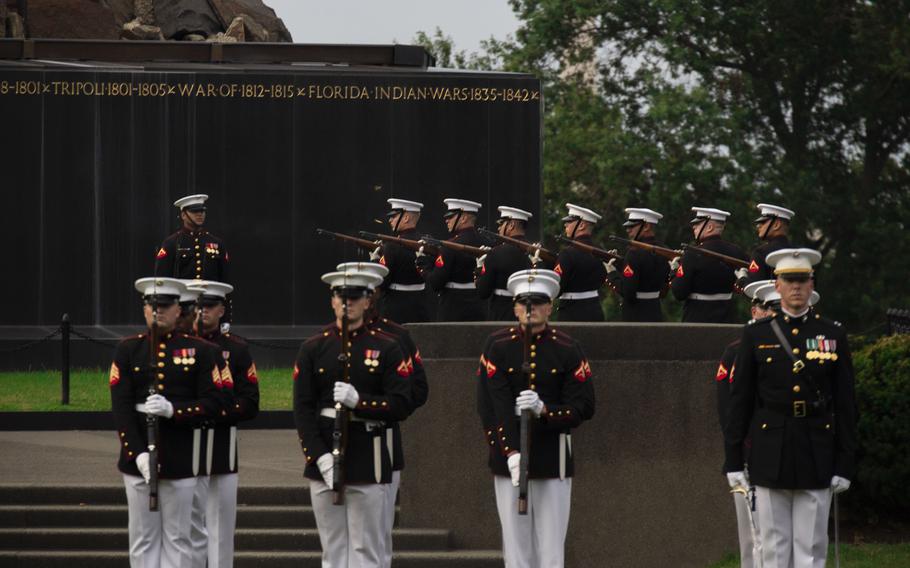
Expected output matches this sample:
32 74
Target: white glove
738 479
529 400
839 484
326 465
346 394
225 327
674 264
513 462
741 273
142 462
375 254
480 260
159 406
535 258
420 252
610 265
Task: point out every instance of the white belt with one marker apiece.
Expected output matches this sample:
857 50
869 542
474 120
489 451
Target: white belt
209 450
461 285
408 287
647 295
501 292
711 297
370 424
578 295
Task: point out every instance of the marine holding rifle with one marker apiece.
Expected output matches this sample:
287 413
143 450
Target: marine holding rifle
450 273
163 384
772 227
541 373
349 382
404 295
581 274
704 283
494 269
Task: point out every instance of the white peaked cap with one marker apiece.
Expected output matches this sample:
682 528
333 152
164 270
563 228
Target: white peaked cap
767 293
702 213
767 210
374 267
752 288
188 293
352 279
404 205
793 260
583 213
191 200
514 213
159 287
462 205
646 215
534 281
211 288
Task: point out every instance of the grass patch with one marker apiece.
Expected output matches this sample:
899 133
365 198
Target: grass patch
34 391
854 556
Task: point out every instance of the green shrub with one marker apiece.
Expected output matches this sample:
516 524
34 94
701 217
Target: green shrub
882 485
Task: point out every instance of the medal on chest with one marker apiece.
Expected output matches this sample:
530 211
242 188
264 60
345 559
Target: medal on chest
371 357
821 349
184 356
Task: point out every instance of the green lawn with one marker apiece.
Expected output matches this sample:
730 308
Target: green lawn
40 390
854 556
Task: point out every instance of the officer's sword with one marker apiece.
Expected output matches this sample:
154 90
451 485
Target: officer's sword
836 535
756 542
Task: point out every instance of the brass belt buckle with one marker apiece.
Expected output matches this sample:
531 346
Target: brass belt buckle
798 365
799 408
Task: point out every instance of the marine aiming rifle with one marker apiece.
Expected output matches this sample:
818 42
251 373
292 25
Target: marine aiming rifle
406 243
536 250
342 414
665 252
151 420
730 261
524 428
369 246
476 252
592 250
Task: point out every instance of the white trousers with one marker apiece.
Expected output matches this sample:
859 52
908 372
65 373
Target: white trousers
199 536
744 528
535 540
221 519
351 534
391 494
794 526
160 539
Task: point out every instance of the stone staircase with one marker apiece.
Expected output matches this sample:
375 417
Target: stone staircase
76 527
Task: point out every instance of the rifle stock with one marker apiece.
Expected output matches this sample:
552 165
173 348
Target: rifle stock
665 252
534 249
342 415
730 261
366 245
476 252
406 243
592 250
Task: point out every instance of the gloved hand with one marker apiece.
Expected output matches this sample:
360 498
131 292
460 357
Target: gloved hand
741 273
530 400
326 465
225 327
534 258
423 261
674 264
480 260
142 462
610 266
159 406
839 484
376 254
738 479
614 252
513 462
346 394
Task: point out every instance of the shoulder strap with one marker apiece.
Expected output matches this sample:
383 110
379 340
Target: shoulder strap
798 364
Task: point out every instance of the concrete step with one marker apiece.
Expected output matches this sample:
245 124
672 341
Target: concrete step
248 516
104 559
103 538
115 495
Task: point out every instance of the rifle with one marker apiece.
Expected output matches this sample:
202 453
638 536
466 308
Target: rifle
665 252
534 249
369 246
415 246
151 421
342 414
525 424
598 252
476 252
730 261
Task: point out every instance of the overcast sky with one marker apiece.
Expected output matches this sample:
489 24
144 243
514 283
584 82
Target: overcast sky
387 21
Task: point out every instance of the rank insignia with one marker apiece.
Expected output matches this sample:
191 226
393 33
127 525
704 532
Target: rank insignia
628 272
382 260
216 376
296 371
161 253
583 372
227 379
371 357
722 373
490 368
679 272
418 360
254 378
184 356
483 364
439 262
403 369
558 269
753 266
115 374
821 348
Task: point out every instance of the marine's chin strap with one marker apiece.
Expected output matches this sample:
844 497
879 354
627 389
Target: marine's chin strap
639 228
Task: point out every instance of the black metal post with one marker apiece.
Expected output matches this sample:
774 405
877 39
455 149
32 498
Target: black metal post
65 360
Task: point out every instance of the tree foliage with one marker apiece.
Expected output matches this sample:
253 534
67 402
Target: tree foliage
673 103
